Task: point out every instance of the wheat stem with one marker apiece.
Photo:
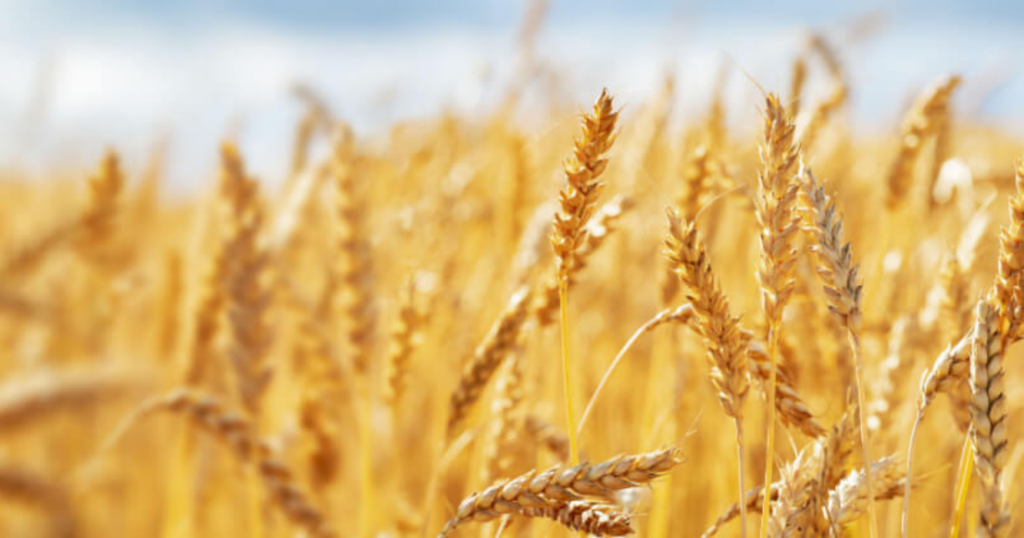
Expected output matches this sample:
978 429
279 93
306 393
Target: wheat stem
865 453
963 484
742 482
563 302
769 451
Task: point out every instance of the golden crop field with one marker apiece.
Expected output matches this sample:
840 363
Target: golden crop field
605 323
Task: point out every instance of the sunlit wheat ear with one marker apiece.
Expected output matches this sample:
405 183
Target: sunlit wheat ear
988 422
843 289
246 282
775 207
550 493
494 349
725 342
354 268
238 434
586 163
919 123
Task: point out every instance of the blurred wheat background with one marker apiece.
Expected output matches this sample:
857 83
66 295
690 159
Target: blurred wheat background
511 269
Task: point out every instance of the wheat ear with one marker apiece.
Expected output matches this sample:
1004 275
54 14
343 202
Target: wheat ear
775 206
553 488
576 205
496 347
988 421
726 343
240 436
919 123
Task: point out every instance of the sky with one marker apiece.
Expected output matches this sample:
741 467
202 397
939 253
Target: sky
80 76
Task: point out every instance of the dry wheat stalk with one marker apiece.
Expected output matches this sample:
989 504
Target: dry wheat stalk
240 436
775 206
988 421
919 124
496 346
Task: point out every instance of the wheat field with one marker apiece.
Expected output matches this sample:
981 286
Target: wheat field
604 323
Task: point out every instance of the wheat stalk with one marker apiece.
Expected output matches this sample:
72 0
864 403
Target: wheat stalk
775 209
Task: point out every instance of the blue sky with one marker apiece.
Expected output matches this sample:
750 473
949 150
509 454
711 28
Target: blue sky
119 72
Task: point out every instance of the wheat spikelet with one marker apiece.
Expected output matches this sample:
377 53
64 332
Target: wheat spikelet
247 290
582 170
919 123
557 486
848 501
496 346
955 320
545 307
504 450
843 289
354 270
696 179
791 407
775 207
1006 293
589 517
404 339
988 421
842 284
99 218
240 436
323 460
714 322
547 435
